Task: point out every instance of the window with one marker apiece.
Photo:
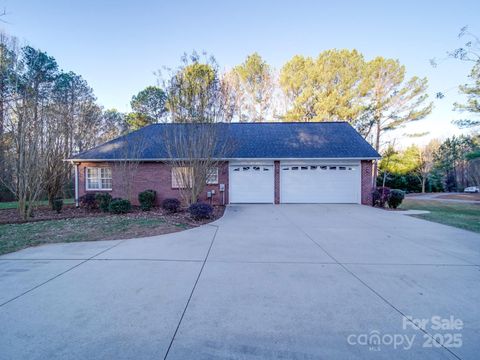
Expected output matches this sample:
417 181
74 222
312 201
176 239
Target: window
294 167
323 167
304 168
182 177
256 168
266 169
333 168
342 168
313 167
99 178
212 176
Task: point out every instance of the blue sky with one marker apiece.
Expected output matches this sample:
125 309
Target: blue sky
118 45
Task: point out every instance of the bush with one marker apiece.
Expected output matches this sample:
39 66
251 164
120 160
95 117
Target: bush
395 198
119 206
147 199
103 201
200 211
88 201
57 205
171 205
380 196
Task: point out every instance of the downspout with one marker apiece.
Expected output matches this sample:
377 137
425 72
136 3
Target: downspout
76 184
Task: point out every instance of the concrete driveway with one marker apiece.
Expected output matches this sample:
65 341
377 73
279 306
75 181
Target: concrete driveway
263 282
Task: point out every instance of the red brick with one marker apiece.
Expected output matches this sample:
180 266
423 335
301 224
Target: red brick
367 182
156 176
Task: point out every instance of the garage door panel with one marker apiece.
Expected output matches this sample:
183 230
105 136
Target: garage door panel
319 184
251 184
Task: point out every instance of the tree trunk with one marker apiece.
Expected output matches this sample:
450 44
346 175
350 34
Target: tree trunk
424 181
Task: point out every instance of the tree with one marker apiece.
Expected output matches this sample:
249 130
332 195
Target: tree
426 161
194 91
47 115
469 52
198 141
473 98
136 120
451 161
252 85
393 101
113 125
8 60
150 104
328 88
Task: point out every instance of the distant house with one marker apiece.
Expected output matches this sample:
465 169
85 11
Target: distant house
321 162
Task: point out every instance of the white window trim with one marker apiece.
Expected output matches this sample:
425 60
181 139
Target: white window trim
100 178
176 182
213 182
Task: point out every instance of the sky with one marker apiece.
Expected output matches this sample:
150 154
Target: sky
117 46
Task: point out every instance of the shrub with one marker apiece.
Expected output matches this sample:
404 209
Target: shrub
119 206
171 205
103 201
147 199
57 205
395 198
380 196
200 211
88 201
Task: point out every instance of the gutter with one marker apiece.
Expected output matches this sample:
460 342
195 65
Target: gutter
225 159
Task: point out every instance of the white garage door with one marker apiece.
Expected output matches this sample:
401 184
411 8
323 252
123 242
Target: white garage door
251 184
320 183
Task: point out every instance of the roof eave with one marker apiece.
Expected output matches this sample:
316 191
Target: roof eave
74 160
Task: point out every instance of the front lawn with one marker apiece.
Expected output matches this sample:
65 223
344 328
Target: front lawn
461 215
14 204
14 237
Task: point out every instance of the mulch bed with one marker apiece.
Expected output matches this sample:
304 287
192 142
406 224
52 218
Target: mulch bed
44 213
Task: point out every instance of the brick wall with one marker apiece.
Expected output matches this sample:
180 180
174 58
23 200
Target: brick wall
277 182
152 175
157 176
367 182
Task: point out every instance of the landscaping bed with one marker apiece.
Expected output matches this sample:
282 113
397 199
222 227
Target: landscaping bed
80 224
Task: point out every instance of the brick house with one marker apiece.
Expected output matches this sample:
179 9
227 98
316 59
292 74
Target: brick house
321 162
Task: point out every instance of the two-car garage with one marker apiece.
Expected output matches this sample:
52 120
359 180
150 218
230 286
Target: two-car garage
299 182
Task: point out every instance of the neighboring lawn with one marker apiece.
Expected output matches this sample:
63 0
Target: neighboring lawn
14 237
14 204
465 216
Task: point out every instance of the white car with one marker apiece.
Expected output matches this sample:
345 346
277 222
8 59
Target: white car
471 189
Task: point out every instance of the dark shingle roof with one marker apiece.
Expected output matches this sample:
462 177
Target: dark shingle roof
251 140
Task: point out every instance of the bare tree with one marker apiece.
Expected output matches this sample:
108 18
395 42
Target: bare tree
196 152
198 141
126 167
426 161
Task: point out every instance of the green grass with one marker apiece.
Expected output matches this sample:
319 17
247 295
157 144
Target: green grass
14 204
465 216
14 237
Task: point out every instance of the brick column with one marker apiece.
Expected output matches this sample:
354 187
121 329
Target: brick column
277 182
367 182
